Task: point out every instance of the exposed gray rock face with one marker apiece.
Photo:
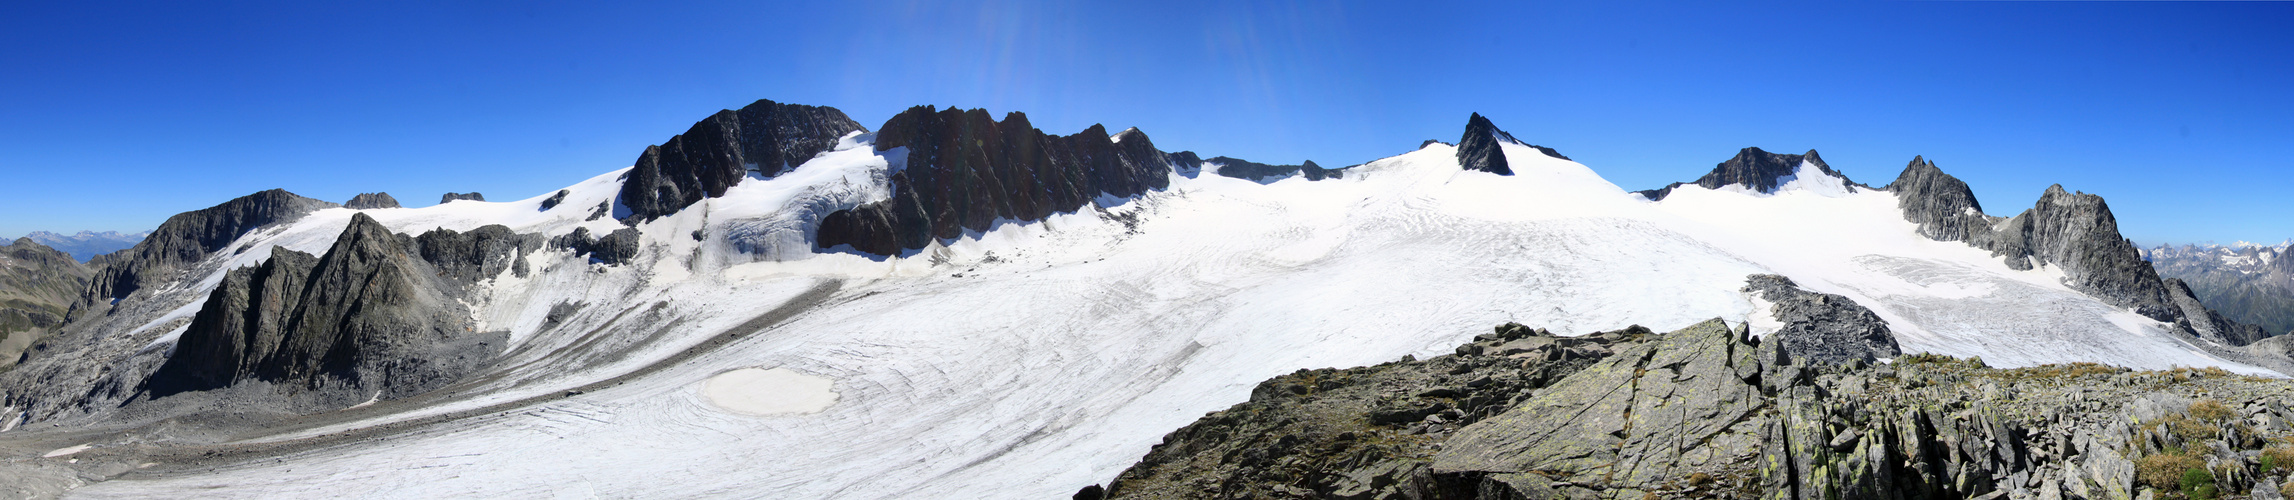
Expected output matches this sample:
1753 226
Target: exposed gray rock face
1479 148
1264 173
2205 323
451 197
1706 412
964 171
2072 231
1754 169
615 248
1942 205
367 318
479 254
765 137
187 238
2246 283
37 287
555 199
1822 327
369 201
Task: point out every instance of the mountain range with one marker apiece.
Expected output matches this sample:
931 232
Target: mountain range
86 245
2249 283
783 302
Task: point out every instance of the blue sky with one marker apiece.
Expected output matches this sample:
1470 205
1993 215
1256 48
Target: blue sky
117 115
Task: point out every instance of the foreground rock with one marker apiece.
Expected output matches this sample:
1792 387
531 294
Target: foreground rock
1706 412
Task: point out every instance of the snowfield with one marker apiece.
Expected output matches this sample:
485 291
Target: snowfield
1037 358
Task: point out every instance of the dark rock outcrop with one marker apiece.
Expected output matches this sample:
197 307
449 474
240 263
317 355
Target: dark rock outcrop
468 257
1942 205
1822 327
613 249
1479 148
367 319
1706 412
368 201
555 199
964 171
451 197
1264 173
765 137
1754 169
187 238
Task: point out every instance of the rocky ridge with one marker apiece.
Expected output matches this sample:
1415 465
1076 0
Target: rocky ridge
1707 412
184 240
1264 173
1754 169
963 171
765 139
370 201
453 197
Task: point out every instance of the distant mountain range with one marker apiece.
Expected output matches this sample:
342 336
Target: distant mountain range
88 244
2246 282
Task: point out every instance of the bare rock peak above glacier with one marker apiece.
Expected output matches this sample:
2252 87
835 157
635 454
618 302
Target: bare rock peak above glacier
371 201
1759 171
763 139
189 237
1478 147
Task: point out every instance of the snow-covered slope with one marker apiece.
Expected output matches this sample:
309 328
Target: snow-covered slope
1038 357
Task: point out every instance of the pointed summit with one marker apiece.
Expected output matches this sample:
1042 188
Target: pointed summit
1758 171
1942 205
1479 148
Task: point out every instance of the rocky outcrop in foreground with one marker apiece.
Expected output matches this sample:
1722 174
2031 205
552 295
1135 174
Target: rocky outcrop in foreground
367 319
1823 327
370 201
964 171
1479 148
765 138
1754 169
187 238
1706 412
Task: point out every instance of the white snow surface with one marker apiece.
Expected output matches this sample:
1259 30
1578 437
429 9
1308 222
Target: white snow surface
1037 358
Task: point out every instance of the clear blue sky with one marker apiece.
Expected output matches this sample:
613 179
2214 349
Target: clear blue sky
117 115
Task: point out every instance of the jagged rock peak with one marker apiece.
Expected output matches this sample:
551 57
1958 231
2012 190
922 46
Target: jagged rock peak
451 197
1478 149
1942 205
965 170
188 237
765 137
364 319
368 201
1754 169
